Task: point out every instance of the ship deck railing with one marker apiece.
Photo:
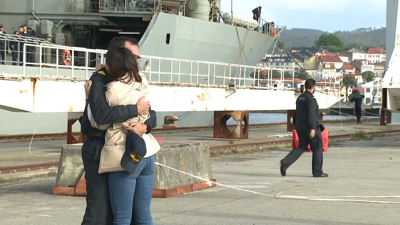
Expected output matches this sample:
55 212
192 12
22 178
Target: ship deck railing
51 63
134 7
9 55
23 39
261 25
116 6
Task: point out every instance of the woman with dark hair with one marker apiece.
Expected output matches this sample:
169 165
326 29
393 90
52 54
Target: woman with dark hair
128 157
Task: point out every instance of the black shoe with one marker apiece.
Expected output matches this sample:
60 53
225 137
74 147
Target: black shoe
283 169
320 175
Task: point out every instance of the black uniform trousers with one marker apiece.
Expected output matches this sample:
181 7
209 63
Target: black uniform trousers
358 112
303 132
3 55
98 208
14 55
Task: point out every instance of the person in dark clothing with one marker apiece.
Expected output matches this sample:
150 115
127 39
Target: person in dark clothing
21 46
26 33
14 49
98 208
357 98
3 45
31 49
214 13
294 116
257 13
309 131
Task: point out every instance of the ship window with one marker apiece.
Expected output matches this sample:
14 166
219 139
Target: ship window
168 37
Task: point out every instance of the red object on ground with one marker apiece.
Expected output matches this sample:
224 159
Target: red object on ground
325 141
160 139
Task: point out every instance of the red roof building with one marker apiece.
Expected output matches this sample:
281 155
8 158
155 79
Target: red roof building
376 51
348 66
330 58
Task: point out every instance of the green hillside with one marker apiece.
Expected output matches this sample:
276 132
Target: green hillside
363 37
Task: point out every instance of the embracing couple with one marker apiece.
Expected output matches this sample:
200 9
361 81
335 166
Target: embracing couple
118 154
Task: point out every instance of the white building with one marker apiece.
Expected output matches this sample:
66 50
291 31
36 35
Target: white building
376 55
356 54
363 66
368 93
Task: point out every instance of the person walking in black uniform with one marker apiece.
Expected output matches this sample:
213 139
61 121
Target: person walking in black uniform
98 208
309 131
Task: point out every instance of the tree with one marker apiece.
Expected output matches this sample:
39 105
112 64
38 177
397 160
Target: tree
331 42
303 75
349 81
368 76
288 74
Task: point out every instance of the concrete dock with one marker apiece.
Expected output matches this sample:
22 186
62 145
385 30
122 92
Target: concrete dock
355 168
23 152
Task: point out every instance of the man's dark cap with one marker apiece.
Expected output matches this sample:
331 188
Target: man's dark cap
135 150
1 26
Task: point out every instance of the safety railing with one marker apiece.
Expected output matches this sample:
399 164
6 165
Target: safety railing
181 72
73 63
127 6
329 82
80 6
61 62
11 48
114 6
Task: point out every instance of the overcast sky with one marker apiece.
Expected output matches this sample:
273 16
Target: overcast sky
326 15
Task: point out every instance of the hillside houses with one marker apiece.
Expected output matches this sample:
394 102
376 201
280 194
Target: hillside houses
325 66
322 64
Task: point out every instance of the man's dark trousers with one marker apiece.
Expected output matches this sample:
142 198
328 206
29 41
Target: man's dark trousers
358 112
97 199
2 55
303 132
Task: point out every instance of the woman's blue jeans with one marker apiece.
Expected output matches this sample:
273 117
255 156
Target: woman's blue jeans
130 194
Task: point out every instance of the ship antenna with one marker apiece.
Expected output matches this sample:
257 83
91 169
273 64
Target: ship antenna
232 9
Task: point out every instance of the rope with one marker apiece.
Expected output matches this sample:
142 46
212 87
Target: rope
294 60
279 196
33 136
241 46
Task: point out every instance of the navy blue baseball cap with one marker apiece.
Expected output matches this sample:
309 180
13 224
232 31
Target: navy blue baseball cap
135 150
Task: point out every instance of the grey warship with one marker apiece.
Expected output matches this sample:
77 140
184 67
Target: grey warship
173 29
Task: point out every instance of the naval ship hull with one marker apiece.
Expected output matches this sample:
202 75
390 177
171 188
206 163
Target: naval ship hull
167 35
182 37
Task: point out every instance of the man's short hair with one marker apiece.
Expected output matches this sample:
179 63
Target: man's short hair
309 83
120 42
